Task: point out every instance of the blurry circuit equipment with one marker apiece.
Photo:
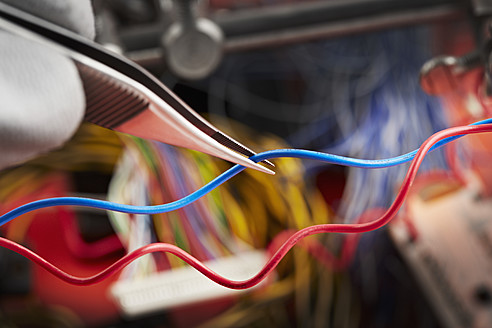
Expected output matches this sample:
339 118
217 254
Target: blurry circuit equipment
138 27
445 231
445 235
335 76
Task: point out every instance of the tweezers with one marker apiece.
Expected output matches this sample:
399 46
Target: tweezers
122 96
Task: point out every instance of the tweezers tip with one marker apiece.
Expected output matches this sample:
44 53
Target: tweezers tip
262 168
236 146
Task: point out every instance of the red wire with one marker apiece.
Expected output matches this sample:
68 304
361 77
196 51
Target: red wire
279 254
320 252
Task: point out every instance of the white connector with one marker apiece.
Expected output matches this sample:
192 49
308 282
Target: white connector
184 285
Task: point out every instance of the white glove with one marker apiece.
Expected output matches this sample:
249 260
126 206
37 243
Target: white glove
41 96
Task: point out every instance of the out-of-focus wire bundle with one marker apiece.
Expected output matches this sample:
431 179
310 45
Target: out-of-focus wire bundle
358 96
384 113
245 214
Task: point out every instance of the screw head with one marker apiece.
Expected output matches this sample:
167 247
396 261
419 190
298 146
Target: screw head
194 54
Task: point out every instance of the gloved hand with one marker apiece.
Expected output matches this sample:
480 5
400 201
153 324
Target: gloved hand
41 96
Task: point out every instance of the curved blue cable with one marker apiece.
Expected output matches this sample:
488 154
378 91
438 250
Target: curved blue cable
277 153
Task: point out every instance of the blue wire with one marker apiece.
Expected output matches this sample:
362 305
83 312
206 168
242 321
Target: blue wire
277 153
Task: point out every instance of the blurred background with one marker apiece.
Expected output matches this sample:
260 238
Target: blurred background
344 77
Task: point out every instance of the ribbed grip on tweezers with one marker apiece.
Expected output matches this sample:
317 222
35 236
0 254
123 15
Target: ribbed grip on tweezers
108 102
